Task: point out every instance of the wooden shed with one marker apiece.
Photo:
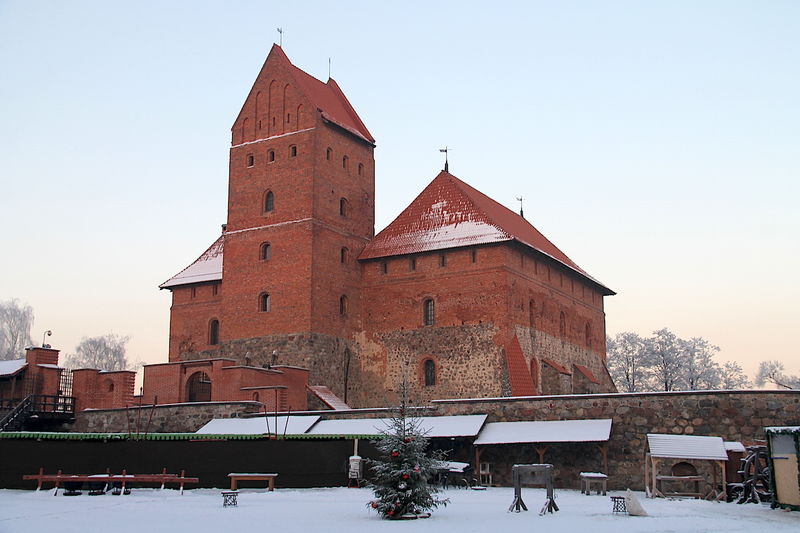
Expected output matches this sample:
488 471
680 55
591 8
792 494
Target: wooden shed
784 449
686 450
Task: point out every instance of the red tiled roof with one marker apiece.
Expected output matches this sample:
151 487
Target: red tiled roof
558 367
207 267
586 372
519 374
328 98
448 213
328 397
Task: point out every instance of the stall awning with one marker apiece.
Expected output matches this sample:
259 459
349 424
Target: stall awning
545 431
258 425
686 447
433 426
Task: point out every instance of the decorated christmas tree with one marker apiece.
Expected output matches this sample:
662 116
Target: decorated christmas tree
401 474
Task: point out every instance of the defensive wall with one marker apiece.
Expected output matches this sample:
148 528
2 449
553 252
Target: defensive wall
732 415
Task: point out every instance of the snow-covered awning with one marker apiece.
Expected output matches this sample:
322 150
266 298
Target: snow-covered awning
733 446
545 431
9 368
686 447
434 426
295 425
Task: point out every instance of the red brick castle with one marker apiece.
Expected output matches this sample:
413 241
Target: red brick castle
458 295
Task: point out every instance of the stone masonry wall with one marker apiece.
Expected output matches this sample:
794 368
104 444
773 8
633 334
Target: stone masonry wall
732 415
176 418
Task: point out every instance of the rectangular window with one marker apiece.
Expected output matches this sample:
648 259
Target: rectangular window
384 267
412 264
442 260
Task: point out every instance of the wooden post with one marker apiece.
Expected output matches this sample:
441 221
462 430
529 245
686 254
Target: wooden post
58 481
478 462
724 495
41 473
183 475
541 451
604 453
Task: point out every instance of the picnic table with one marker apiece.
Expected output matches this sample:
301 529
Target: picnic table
123 479
235 477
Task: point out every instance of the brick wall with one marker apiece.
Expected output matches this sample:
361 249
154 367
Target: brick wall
96 389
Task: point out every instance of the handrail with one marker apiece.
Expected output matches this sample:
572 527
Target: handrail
21 409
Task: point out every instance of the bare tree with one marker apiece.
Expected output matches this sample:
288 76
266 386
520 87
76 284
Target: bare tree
774 372
16 320
667 357
627 362
733 377
106 352
699 370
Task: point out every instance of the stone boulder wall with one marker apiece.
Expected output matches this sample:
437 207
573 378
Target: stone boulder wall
732 415
173 418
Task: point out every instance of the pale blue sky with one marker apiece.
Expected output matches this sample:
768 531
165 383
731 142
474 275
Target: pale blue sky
656 143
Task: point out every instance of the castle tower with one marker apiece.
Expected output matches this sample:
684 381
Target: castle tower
300 210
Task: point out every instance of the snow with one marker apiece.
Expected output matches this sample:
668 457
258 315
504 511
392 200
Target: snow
732 446
546 431
435 426
686 447
258 425
342 510
13 366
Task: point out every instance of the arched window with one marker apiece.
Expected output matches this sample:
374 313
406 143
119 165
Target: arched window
263 302
428 312
293 151
271 156
213 332
109 386
265 253
343 305
345 161
329 153
250 160
562 325
343 207
269 202
255 396
343 254
360 168
429 368
588 335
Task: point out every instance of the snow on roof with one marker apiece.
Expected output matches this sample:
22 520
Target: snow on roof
782 429
448 213
686 447
435 426
732 446
545 431
9 368
207 267
258 425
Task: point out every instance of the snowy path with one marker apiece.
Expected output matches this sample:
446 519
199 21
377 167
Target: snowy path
344 510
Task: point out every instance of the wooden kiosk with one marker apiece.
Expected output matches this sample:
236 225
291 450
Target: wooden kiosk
686 449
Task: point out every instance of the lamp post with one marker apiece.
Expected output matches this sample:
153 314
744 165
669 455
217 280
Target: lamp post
46 334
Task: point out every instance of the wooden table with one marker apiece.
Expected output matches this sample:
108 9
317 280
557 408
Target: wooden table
238 476
588 478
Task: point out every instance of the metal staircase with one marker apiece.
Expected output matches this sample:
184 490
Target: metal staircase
17 417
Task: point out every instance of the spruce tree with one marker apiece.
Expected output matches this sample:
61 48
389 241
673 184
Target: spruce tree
401 474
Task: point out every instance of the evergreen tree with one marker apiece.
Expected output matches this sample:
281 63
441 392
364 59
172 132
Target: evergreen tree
401 475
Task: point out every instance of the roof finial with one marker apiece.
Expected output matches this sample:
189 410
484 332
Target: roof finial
445 150
280 37
519 199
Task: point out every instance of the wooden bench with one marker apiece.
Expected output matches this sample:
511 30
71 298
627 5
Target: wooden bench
599 480
123 479
235 477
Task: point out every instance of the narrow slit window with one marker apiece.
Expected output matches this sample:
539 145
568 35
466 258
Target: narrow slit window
269 202
264 302
430 373
429 312
250 160
266 251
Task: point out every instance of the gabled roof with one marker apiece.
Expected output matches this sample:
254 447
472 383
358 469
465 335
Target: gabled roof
686 447
327 98
587 373
448 213
207 267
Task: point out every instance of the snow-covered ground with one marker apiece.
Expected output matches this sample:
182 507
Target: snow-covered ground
344 510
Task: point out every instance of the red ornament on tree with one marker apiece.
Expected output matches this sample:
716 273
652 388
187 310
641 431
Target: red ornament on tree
405 476
395 453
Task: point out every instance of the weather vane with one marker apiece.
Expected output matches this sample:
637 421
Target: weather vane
445 150
519 199
280 37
